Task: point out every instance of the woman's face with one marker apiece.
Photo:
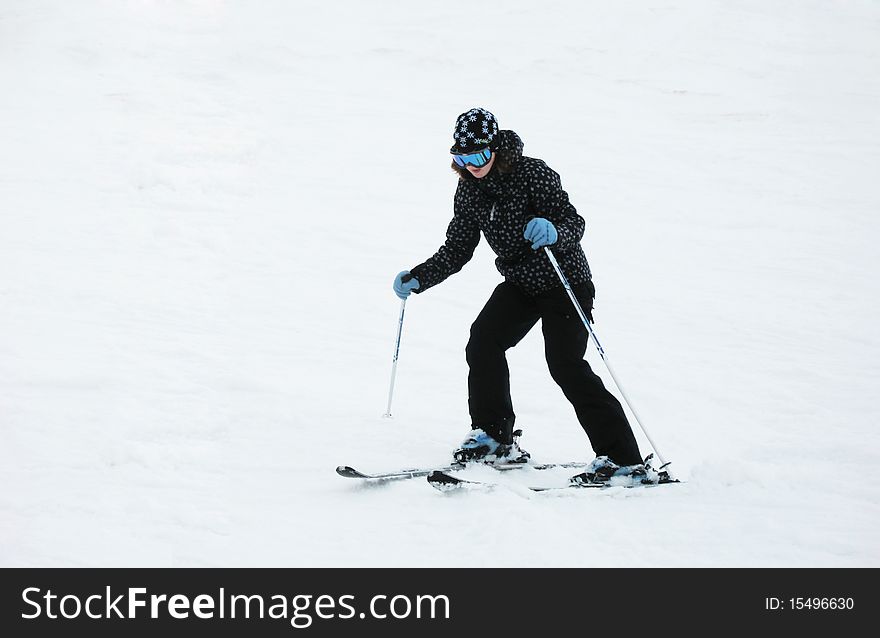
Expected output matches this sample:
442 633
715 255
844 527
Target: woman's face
483 170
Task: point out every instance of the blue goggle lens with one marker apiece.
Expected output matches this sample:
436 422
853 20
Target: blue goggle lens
474 159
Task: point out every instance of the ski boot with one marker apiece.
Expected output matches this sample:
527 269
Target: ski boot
602 470
483 446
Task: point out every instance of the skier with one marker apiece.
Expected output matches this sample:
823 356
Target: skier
518 203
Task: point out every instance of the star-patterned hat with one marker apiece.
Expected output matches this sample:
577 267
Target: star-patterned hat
474 130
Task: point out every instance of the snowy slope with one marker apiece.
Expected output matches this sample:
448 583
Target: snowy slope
203 204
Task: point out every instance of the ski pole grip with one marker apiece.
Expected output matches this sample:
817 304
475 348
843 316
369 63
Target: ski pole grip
406 278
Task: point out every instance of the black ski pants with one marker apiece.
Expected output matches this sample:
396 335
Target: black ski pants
506 318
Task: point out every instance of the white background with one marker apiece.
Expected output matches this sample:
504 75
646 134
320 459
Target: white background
203 205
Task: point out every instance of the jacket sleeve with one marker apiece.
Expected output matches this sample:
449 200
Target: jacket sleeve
462 237
551 202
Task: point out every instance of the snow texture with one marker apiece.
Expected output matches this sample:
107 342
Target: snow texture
203 205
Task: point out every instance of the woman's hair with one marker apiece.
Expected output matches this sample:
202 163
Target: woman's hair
504 161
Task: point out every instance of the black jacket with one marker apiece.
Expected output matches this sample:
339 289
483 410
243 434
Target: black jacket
500 205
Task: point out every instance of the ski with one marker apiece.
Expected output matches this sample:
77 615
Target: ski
349 472
446 482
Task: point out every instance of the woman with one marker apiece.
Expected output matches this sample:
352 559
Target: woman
518 203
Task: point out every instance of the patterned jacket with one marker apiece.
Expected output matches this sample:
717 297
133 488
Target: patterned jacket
500 205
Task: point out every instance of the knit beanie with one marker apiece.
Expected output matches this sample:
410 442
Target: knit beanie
474 130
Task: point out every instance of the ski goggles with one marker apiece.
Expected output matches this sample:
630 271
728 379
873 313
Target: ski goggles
473 159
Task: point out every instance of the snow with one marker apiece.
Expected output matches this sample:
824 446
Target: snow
204 203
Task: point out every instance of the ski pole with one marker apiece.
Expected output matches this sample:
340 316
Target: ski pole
387 414
586 322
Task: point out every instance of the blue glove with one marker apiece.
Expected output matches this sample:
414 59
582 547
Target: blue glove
540 232
404 283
